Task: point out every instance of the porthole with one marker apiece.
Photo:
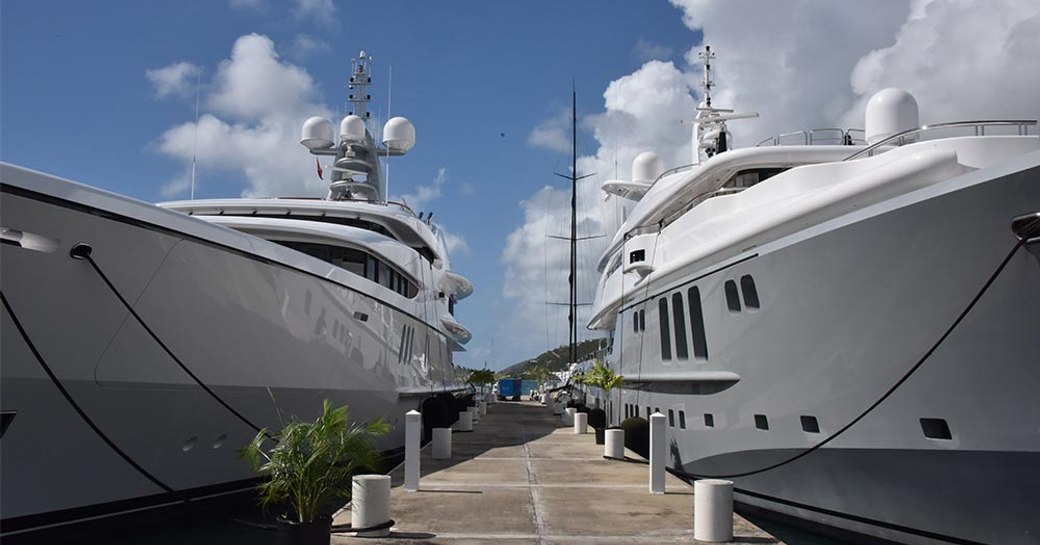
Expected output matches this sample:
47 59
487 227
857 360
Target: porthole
936 428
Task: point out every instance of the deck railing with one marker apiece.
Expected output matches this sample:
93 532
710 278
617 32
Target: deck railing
1021 127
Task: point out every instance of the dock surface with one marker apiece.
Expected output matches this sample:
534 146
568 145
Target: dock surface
522 477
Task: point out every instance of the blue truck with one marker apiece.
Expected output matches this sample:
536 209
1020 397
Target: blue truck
513 388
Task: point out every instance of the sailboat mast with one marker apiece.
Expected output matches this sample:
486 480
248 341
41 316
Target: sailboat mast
573 338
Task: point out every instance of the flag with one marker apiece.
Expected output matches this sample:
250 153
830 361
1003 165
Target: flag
320 174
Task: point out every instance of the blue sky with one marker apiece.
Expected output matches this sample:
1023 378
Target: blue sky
487 85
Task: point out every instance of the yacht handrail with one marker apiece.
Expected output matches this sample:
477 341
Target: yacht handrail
809 138
697 199
673 171
979 126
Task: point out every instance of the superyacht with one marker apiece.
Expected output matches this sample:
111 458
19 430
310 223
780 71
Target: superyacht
842 322
144 345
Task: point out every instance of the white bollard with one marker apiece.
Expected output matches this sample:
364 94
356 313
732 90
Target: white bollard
412 434
713 510
370 504
441 443
614 443
476 414
581 423
483 407
465 422
657 453
568 415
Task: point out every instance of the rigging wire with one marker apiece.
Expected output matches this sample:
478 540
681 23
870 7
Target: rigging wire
906 376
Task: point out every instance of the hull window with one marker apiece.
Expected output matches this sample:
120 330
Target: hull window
810 424
936 428
671 418
700 340
682 351
709 420
761 422
666 334
682 420
747 285
732 297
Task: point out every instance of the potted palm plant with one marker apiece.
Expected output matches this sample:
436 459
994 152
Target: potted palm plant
308 471
604 378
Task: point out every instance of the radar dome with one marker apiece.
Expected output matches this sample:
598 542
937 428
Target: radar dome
317 134
352 129
646 167
890 111
399 134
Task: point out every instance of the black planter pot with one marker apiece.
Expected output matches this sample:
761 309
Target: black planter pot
318 532
601 434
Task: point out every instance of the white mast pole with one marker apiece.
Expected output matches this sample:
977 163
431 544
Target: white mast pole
195 146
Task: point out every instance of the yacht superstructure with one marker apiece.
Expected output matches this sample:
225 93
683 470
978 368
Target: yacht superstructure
845 331
157 340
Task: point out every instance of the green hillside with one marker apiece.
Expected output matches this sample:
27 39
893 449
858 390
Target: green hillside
555 359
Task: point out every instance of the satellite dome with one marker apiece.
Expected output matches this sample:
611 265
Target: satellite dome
317 134
352 129
890 111
646 167
399 134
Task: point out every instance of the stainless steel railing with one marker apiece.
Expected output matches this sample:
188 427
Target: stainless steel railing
978 128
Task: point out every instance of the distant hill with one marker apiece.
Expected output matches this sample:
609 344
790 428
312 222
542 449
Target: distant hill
556 359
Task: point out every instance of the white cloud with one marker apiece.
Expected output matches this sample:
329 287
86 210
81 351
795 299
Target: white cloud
254 83
642 111
305 45
258 104
177 79
645 50
991 75
467 189
424 194
456 243
322 11
802 64
553 134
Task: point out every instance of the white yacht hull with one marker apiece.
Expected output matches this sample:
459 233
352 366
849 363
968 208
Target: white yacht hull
848 308
100 419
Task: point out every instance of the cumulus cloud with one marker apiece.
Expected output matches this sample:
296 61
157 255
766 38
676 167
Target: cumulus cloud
177 79
553 134
643 110
257 104
991 75
802 64
424 194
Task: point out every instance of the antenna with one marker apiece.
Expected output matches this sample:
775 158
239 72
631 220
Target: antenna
706 56
389 95
195 146
710 123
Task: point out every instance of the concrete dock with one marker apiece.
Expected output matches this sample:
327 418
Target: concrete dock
522 477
